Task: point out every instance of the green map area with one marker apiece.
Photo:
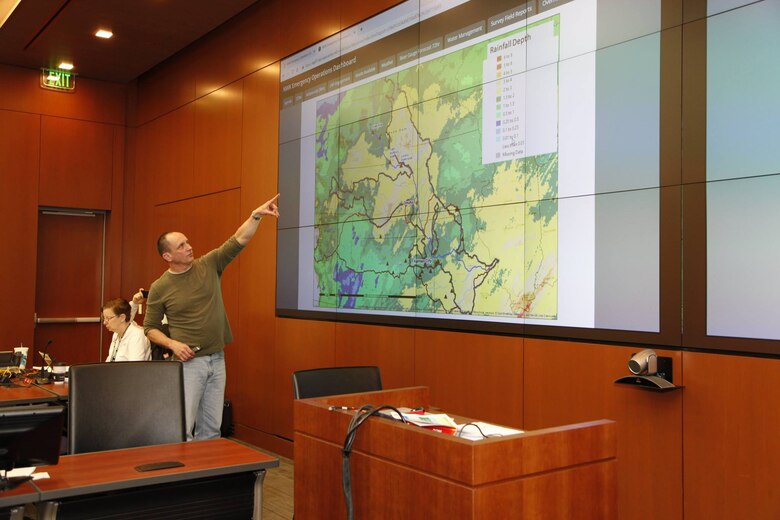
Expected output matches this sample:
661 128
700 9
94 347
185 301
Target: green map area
408 216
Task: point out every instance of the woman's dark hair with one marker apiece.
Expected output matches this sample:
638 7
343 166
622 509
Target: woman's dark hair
118 306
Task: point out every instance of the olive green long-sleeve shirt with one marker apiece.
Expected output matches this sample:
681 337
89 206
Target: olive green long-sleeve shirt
192 302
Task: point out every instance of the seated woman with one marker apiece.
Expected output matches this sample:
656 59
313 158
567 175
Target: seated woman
129 342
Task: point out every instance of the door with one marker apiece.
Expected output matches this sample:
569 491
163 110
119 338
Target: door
69 285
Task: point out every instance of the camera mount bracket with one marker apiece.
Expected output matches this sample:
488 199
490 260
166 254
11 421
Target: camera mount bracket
661 381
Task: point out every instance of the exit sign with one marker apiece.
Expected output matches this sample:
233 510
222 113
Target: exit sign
55 79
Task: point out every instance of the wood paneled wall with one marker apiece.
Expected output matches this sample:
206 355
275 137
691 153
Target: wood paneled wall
56 149
90 156
202 153
731 446
19 163
567 382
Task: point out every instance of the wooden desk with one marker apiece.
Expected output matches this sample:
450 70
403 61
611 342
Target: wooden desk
403 471
58 389
100 472
14 395
24 493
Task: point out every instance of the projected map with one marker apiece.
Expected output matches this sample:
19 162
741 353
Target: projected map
436 185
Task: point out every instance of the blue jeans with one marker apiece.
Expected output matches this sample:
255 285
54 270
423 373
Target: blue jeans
204 395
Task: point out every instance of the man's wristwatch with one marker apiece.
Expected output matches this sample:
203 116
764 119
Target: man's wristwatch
256 217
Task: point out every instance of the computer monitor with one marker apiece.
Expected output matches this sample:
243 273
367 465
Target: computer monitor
9 366
29 436
9 359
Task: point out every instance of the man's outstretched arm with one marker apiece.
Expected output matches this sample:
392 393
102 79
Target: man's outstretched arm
247 230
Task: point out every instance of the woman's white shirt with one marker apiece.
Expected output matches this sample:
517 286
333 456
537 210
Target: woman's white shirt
133 346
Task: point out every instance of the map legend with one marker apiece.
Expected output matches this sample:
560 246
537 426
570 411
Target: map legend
505 82
506 77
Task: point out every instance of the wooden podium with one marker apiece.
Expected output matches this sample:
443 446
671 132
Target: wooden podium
401 471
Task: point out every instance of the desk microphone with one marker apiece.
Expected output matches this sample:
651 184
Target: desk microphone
44 376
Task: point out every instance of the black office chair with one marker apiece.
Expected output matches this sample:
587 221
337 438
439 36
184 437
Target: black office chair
335 380
127 404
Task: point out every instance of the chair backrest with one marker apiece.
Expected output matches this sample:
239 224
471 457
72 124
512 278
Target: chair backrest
127 404
335 380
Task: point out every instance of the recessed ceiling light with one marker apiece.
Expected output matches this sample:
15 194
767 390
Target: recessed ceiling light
104 33
65 66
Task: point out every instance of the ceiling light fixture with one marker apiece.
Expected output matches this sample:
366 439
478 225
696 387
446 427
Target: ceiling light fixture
65 66
104 33
6 9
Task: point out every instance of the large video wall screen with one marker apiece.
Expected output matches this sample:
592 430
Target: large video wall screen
451 160
497 165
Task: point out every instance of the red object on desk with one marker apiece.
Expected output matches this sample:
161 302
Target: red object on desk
447 430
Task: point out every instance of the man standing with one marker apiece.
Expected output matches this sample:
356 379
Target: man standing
189 294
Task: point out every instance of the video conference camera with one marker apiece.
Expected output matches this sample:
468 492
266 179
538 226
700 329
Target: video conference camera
650 372
644 362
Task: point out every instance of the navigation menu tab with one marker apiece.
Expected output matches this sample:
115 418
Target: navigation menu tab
337 83
546 5
364 72
387 63
514 15
315 91
408 55
431 46
470 32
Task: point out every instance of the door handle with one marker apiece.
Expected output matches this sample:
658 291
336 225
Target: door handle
88 319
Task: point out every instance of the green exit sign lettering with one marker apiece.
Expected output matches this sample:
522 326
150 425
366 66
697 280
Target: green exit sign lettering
61 80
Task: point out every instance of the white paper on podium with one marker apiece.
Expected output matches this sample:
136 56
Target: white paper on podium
471 432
